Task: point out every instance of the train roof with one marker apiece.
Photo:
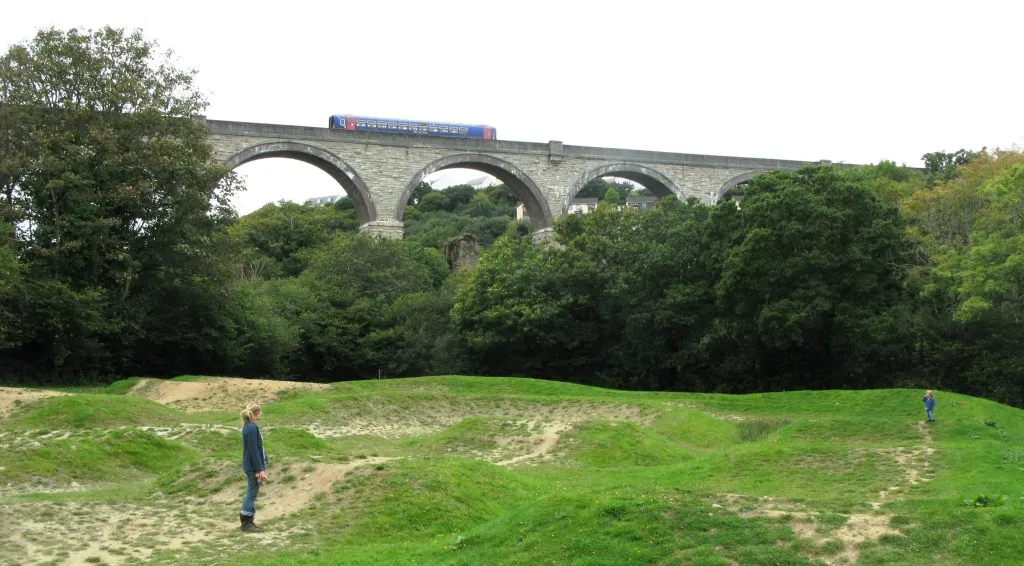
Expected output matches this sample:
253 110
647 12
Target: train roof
379 119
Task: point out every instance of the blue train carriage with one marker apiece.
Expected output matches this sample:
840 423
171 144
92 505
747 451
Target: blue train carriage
411 127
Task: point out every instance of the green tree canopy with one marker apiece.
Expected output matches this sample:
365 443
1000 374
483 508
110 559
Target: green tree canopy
279 232
611 197
115 194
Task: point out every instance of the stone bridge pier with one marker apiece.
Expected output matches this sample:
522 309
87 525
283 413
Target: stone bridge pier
380 171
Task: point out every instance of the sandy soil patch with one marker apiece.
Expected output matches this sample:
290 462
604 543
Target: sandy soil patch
14 397
397 422
217 393
115 533
541 443
284 495
705 410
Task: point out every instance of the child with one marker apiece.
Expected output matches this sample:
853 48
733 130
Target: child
254 462
929 406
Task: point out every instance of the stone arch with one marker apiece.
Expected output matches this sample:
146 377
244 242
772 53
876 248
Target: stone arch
513 177
650 178
320 158
733 183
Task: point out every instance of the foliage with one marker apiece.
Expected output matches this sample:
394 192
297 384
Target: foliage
443 215
800 288
273 235
941 166
611 198
115 200
598 188
358 303
813 272
986 501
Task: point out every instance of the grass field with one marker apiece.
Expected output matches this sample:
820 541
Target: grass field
473 470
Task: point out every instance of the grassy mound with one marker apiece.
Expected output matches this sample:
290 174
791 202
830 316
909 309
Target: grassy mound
95 411
114 456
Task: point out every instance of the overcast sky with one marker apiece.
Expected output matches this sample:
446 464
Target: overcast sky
855 82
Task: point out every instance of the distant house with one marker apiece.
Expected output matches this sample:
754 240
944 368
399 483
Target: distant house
325 200
582 205
585 205
521 213
641 203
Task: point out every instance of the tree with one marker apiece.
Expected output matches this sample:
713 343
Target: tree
10 272
611 198
344 306
116 196
942 166
459 195
597 188
433 202
280 232
421 190
808 284
486 216
982 287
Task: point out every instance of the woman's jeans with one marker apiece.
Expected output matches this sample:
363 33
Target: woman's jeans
249 503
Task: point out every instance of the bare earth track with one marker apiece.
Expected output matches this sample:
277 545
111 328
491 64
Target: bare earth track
216 394
13 397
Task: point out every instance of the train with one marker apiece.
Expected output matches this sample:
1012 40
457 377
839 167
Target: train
411 127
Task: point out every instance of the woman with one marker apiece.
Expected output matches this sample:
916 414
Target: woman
254 462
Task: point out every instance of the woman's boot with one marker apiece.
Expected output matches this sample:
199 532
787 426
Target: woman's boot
248 526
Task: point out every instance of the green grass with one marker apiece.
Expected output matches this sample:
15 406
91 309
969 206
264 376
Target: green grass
188 378
620 444
117 456
122 386
662 486
78 412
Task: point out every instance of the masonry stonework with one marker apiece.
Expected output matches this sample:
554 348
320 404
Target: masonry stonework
379 171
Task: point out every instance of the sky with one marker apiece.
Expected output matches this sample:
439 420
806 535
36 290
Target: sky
853 82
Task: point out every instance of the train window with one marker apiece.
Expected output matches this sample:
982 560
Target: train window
403 126
360 123
392 125
433 128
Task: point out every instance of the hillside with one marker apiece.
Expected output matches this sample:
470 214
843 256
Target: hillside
472 470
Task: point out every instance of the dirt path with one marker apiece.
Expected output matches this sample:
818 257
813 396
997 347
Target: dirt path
291 492
542 443
859 527
442 413
13 397
217 393
88 533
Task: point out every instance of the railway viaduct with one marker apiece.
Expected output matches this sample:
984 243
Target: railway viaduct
379 171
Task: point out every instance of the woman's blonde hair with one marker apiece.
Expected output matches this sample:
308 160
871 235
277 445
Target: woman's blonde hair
250 413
